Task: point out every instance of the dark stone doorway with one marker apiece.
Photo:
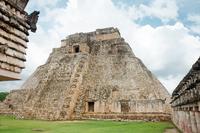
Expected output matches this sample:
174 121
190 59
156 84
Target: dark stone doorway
125 107
76 49
90 106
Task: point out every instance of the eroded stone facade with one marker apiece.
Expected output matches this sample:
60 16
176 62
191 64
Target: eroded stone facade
92 75
186 102
14 26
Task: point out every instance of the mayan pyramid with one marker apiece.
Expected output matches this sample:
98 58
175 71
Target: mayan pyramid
92 75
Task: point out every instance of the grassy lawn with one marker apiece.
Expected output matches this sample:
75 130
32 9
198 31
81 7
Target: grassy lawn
9 124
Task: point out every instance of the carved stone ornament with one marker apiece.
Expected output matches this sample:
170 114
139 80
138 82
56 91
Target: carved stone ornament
32 20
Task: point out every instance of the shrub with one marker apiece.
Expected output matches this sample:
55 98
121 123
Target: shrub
3 96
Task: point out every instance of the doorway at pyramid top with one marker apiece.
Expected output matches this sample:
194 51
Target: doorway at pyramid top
80 48
76 49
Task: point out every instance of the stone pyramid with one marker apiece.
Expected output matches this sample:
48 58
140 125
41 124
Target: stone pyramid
92 75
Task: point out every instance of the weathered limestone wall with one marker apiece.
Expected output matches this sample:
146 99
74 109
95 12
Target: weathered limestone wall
186 102
188 121
14 26
137 106
89 76
5 108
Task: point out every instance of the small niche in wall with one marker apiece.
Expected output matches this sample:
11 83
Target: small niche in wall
90 106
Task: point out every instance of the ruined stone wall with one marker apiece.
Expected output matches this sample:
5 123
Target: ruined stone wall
87 77
136 106
186 102
14 26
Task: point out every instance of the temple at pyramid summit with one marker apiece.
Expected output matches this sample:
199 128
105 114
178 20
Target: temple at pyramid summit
93 75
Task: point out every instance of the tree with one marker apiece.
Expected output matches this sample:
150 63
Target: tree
3 96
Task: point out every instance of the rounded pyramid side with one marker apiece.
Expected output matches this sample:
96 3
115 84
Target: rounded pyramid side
115 74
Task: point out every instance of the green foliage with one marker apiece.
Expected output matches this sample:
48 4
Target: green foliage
3 95
10 125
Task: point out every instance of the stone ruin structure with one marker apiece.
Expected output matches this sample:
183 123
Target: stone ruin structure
186 102
14 26
92 75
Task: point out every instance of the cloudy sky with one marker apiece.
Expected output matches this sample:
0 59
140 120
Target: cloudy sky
165 34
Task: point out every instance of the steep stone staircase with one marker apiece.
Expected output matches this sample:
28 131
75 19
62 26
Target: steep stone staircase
75 89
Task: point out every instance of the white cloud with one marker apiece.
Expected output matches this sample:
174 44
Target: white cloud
195 29
43 3
162 9
169 44
170 81
195 19
73 3
165 10
168 50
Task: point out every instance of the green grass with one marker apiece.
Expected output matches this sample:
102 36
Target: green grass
9 124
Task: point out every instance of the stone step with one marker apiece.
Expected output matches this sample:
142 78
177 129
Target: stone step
74 83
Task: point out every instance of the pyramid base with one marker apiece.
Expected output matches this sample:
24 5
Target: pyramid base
130 116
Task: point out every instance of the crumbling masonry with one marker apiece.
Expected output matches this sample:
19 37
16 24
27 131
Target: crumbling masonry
14 26
92 75
186 102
